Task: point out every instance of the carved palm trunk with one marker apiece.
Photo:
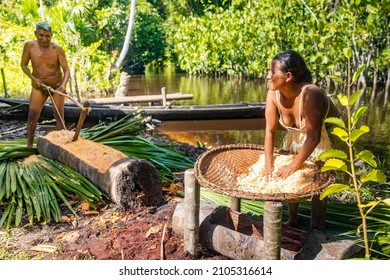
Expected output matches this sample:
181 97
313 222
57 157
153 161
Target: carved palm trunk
128 182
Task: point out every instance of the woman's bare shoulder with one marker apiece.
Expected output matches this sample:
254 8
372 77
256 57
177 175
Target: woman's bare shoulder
314 91
271 95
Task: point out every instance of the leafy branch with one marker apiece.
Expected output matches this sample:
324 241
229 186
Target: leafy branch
341 161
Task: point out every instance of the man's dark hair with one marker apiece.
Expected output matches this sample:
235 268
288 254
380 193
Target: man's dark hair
291 61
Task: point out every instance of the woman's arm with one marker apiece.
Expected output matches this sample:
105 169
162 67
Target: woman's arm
313 113
271 117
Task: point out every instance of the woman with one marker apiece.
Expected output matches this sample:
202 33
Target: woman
300 107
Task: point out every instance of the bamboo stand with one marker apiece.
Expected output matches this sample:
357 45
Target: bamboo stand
272 219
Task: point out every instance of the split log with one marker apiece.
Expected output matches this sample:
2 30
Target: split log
128 182
235 236
240 236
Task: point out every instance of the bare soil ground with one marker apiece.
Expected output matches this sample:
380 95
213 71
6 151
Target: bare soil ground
109 234
104 234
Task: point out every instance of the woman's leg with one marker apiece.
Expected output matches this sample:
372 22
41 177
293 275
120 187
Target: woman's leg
293 215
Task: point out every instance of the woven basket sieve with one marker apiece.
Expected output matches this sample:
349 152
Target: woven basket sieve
218 169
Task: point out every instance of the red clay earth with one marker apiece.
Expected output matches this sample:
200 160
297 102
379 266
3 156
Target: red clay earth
108 234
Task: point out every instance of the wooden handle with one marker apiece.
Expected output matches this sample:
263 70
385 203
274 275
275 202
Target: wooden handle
83 115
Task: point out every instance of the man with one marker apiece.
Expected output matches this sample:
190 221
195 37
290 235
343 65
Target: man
50 68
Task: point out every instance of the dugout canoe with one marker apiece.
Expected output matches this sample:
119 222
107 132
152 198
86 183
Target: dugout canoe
163 113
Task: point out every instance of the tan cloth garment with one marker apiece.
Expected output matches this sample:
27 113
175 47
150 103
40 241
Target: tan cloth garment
294 139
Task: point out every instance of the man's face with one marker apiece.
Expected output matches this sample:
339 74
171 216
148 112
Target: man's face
43 37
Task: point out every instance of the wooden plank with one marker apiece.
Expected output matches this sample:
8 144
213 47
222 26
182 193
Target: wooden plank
140 98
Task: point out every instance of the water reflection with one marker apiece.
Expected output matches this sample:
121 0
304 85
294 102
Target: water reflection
207 90
217 132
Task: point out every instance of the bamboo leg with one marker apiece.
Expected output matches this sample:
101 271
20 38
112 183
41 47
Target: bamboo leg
191 212
272 229
235 204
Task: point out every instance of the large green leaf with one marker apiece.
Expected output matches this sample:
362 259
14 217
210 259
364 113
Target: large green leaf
332 154
334 164
374 176
347 52
356 133
341 133
357 114
332 189
336 78
354 97
386 201
368 157
337 121
357 74
343 99
369 204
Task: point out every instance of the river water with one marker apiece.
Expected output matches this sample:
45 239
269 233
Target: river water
208 90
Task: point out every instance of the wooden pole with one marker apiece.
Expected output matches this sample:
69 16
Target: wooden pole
83 115
164 95
272 229
191 210
4 83
235 204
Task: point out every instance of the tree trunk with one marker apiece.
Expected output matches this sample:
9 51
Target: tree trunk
126 44
128 182
387 88
374 82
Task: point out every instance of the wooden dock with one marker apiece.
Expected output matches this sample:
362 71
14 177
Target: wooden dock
141 99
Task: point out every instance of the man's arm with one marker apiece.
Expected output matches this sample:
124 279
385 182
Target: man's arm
24 65
65 68
25 60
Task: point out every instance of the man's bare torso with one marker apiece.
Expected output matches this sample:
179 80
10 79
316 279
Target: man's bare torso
45 63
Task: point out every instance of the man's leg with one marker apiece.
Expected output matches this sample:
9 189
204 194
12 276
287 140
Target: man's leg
58 110
37 100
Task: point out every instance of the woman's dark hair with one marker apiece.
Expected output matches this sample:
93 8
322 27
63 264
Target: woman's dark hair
291 61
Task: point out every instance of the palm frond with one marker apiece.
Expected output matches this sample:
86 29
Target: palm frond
35 187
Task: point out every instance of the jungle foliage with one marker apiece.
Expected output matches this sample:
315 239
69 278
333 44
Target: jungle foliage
211 37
